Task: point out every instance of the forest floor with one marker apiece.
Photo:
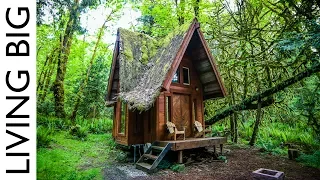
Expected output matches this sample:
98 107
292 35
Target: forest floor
97 158
240 163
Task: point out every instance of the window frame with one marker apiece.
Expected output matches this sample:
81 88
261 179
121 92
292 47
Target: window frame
188 76
120 119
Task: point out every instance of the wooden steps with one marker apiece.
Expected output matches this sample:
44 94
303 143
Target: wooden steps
150 156
157 148
145 165
149 161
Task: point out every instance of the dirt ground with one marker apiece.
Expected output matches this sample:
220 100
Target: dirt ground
240 163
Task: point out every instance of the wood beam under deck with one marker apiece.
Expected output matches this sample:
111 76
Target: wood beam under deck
191 143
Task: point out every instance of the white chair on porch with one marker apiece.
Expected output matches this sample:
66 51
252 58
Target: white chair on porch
202 130
173 130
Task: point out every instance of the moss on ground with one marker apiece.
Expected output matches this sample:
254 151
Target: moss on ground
75 159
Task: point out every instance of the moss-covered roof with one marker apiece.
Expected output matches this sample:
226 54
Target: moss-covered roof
144 63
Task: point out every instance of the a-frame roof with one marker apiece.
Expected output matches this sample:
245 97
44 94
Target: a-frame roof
143 66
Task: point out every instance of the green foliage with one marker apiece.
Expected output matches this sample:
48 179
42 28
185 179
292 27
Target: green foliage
78 132
94 126
44 137
177 167
223 158
93 102
53 123
307 103
74 159
273 136
312 160
164 164
121 157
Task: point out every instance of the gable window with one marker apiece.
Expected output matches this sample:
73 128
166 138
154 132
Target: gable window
176 77
122 125
186 76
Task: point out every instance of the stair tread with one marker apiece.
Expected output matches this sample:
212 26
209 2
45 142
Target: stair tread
150 156
145 165
158 147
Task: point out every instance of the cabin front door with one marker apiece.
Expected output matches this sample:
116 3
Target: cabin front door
181 112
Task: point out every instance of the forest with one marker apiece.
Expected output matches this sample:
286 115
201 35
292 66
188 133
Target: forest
267 51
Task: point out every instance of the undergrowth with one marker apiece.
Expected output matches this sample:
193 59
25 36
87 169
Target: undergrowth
274 138
312 160
70 158
81 127
67 151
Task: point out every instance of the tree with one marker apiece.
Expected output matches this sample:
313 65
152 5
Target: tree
84 84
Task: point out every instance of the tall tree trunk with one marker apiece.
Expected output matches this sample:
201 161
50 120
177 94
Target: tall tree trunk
233 117
180 10
196 8
256 124
58 85
46 75
47 82
84 84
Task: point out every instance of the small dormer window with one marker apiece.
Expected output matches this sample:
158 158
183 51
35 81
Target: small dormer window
186 76
176 76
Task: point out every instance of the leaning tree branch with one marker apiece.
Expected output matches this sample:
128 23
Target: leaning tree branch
245 104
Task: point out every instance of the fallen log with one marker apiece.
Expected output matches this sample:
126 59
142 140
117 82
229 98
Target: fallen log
247 103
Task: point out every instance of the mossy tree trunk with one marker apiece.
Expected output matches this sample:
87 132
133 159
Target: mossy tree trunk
58 85
256 124
46 75
196 8
84 84
233 117
180 8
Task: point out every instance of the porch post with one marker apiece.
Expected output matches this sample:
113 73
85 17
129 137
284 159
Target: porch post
180 157
221 148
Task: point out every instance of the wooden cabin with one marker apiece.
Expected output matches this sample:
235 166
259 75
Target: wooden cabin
155 81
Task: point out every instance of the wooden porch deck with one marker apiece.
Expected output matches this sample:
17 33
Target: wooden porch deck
191 143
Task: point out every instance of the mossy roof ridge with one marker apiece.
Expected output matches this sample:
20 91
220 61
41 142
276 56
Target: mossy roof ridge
144 64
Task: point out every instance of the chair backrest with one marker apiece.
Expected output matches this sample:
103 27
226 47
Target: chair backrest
170 127
198 126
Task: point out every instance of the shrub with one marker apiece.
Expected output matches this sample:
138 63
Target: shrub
312 160
121 156
177 167
53 122
164 164
97 126
46 108
43 137
78 132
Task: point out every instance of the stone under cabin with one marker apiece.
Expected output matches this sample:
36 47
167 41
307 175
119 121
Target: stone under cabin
157 88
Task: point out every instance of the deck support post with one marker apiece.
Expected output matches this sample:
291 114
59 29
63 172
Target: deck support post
180 157
214 149
221 148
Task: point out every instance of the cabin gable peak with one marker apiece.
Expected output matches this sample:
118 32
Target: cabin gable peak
143 66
